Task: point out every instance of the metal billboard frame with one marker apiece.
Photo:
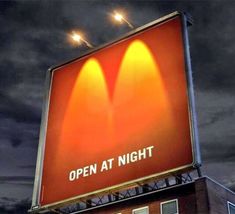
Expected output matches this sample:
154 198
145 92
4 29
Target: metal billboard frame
36 207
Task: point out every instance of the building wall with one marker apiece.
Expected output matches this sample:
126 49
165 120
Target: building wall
218 197
201 195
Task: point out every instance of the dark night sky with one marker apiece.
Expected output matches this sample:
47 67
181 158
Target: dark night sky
33 38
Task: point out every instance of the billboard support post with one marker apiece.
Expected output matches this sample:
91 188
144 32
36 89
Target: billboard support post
41 146
192 106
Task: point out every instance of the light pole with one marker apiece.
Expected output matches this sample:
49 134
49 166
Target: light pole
120 18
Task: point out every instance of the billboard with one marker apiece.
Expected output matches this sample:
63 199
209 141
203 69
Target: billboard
118 115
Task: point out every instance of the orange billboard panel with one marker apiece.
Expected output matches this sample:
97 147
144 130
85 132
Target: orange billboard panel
118 115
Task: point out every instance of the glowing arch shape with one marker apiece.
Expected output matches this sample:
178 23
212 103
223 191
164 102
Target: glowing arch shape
140 100
87 117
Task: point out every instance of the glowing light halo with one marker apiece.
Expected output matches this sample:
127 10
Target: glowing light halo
78 38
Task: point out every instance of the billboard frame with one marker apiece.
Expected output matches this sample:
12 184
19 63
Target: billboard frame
36 207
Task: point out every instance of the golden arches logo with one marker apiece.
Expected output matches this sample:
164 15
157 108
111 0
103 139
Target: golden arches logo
138 111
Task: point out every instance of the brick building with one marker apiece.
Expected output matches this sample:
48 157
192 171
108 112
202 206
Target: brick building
200 196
